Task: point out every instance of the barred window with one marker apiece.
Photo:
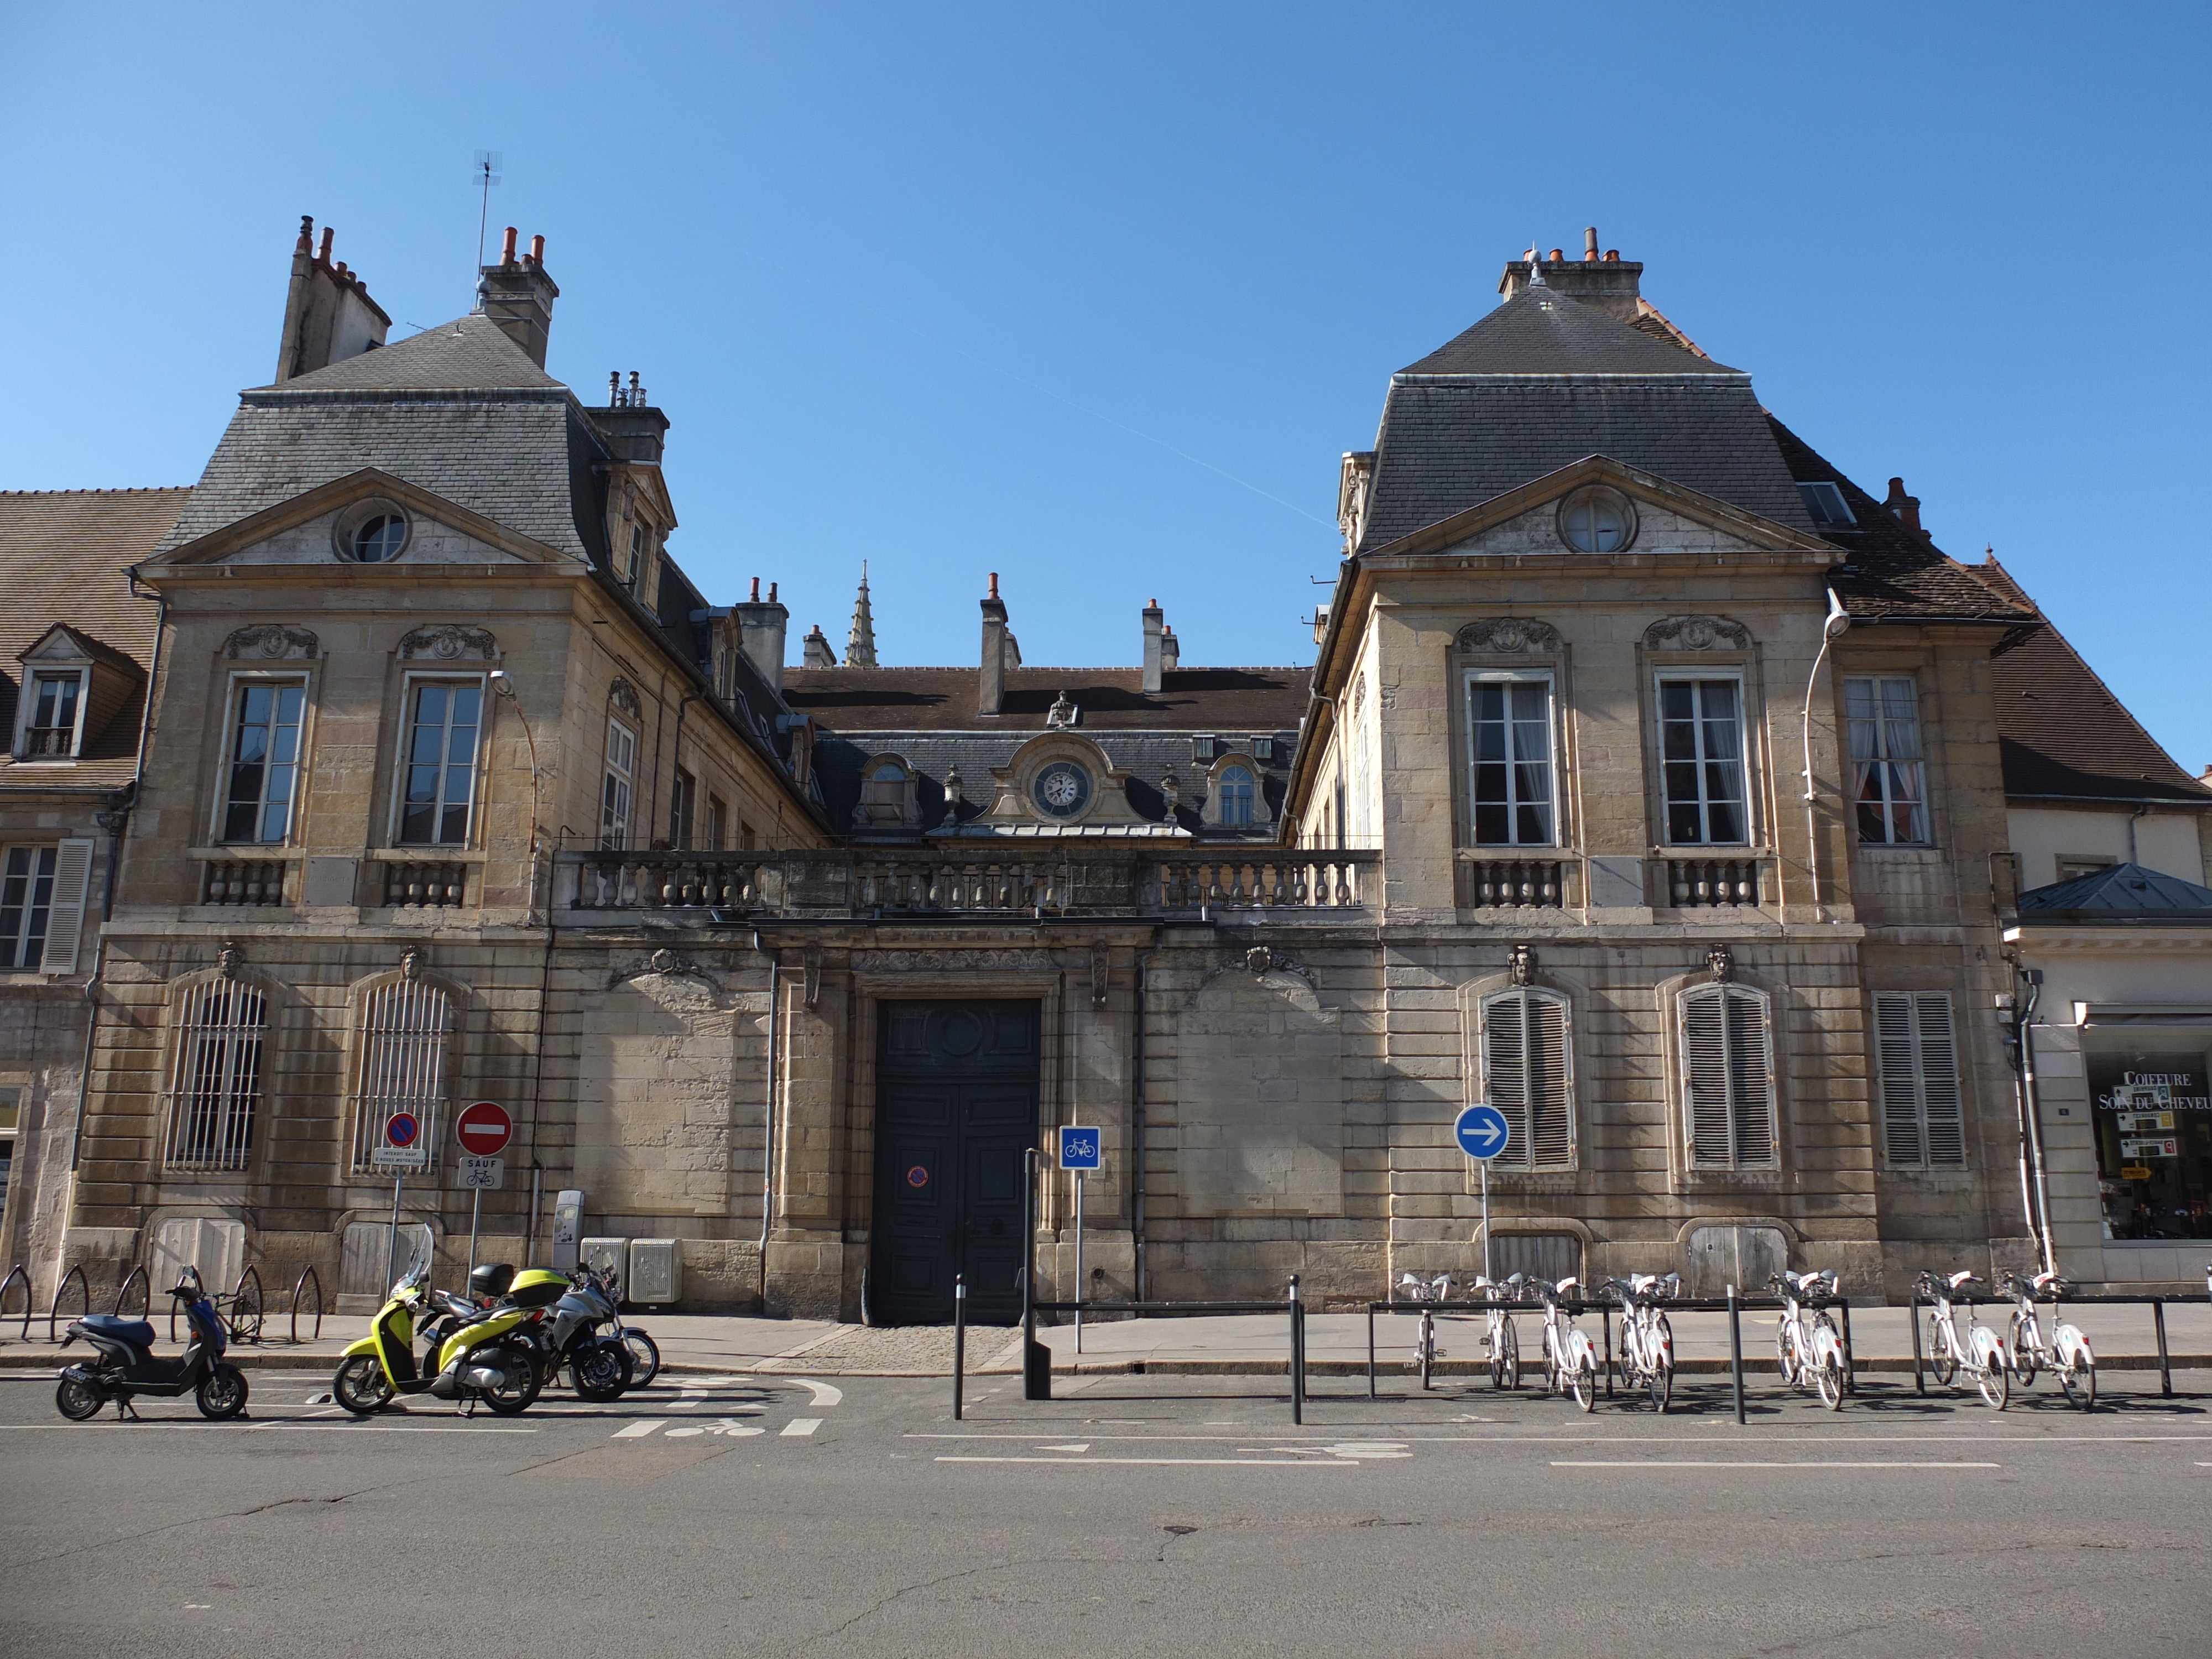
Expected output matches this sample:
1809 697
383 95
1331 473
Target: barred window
214 1087
1728 1077
1922 1120
1528 1075
405 1025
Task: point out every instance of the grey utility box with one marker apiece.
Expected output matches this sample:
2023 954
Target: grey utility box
607 1255
656 1271
568 1228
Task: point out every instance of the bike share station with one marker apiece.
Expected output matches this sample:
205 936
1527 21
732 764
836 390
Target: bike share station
1813 1347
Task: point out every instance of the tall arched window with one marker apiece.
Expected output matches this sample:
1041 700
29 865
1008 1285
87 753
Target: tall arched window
214 1080
400 1063
1728 1077
1528 1073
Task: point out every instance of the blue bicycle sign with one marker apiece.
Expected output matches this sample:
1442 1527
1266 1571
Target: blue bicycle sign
1482 1132
1080 1149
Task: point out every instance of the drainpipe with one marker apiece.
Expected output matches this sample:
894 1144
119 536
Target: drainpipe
1137 1113
2030 1114
767 1112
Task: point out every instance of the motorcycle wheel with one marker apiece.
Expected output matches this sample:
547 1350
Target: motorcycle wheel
598 1373
645 1356
520 1364
2021 1356
361 1386
78 1400
2079 1378
221 1394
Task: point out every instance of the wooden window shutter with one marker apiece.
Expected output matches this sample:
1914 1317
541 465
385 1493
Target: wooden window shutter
1705 1075
1939 1078
1505 1070
1727 1077
1922 1120
1751 1066
65 921
1900 1095
1551 1090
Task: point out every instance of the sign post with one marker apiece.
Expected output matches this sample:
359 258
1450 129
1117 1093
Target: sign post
483 1131
1482 1133
1079 1151
400 1150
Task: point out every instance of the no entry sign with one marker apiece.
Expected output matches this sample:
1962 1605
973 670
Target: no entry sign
483 1129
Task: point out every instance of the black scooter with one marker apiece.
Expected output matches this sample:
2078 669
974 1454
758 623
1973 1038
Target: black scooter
126 1366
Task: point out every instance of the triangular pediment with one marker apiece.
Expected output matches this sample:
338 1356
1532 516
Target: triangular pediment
300 531
63 644
1519 522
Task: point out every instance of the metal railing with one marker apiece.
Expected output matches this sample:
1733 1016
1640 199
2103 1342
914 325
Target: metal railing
84 1295
49 742
307 1275
16 1274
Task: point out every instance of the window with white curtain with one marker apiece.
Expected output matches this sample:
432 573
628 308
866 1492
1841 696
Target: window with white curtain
1917 1054
401 1065
1510 729
1701 762
1728 1077
1528 1075
1888 773
214 1081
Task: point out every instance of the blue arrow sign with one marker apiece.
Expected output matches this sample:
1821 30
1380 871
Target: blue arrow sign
1482 1132
1079 1149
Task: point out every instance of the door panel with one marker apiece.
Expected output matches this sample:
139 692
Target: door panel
955 1109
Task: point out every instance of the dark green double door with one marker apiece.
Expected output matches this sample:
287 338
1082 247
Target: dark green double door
955 1109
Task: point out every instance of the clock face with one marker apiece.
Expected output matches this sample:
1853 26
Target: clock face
1062 789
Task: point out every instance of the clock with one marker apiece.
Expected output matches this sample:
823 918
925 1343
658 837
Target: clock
1061 790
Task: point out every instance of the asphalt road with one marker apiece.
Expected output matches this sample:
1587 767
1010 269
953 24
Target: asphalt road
1143 1516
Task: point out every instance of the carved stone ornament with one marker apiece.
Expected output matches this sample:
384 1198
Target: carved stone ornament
945 962
227 959
451 643
1171 791
1260 961
1101 961
1521 962
270 643
1696 634
662 964
1508 635
1720 961
1062 715
410 964
623 696
810 955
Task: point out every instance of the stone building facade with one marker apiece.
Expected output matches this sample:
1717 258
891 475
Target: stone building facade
1650 784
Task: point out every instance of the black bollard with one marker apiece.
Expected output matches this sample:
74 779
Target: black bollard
959 1340
1912 1318
1735 1351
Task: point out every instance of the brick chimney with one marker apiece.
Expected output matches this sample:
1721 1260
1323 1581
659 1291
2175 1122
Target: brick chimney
518 295
328 315
1606 281
760 627
1155 621
1904 509
991 684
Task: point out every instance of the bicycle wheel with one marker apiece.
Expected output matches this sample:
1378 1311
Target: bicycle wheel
2021 1352
2079 1377
1662 1385
1585 1383
1942 1360
1785 1351
1828 1376
1507 1372
1994 1381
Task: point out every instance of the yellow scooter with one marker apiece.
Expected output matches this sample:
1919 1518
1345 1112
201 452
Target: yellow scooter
484 1356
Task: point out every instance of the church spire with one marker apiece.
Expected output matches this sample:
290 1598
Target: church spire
860 649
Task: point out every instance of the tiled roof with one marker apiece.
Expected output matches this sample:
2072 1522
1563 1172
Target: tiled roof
470 354
1541 332
62 558
1892 575
1225 700
2118 892
2061 731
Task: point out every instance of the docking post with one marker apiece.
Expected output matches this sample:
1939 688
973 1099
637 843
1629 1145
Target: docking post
959 1340
1735 1349
1298 1354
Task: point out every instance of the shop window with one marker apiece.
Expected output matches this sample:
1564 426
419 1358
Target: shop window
1728 1077
2152 1116
1528 1073
1917 1055
1889 780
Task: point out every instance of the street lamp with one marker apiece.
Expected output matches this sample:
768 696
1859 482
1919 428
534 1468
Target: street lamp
502 686
1838 623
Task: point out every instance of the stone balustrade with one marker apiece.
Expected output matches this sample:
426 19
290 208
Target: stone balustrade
254 882
1489 883
1702 883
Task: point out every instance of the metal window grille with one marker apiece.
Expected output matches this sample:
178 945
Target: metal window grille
1528 1073
1701 762
1922 1118
405 1025
1728 1077
1889 775
215 1089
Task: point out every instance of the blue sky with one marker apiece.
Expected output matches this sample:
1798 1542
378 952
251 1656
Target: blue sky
1096 297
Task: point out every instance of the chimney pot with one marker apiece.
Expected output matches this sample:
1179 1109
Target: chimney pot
507 247
994 584
307 242
771 593
1613 256
1906 508
755 599
1559 256
761 634
1155 626
538 250
325 255
1589 243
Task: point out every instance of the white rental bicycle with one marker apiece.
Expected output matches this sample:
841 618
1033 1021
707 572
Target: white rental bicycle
1980 1354
1570 1357
1647 1340
1809 1350
1502 1342
1425 1352
2065 1356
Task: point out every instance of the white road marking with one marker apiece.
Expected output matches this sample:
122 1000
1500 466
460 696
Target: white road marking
638 1431
1711 1463
799 1426
825 1393
1214 1463
1073 1446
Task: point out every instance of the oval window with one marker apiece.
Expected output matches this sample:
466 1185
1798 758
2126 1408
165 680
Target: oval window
1597 521
378 540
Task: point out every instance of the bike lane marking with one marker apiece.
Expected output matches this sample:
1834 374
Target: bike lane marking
1155 1462
801 1426
1746 1463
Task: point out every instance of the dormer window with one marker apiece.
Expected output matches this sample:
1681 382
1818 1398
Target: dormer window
1234 784
1824 503
1597 521
52 733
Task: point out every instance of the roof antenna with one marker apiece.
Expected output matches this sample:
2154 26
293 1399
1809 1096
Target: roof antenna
484 177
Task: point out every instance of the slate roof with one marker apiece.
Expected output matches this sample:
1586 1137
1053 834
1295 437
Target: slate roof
1544 381
432 410
2118 892
2061 733
1892 575
62 558
1270 701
